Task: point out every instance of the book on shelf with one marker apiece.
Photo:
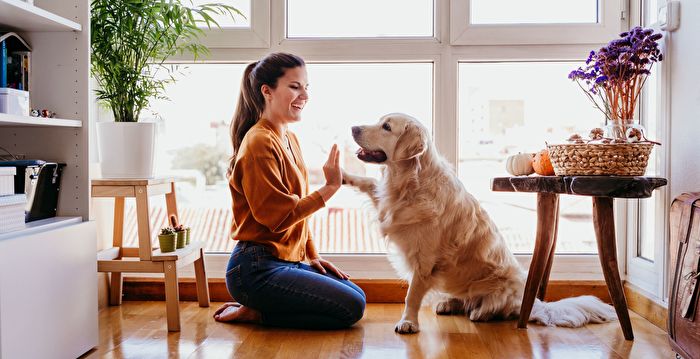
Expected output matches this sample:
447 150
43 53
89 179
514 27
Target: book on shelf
15 62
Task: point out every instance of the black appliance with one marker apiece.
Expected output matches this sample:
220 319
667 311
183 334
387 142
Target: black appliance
40 181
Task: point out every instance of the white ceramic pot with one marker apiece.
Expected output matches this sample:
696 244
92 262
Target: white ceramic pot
126 149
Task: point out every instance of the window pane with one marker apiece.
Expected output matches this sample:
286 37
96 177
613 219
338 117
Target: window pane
194 144
650 11
342 96
225 20
647 207
386 18
506 108
533 11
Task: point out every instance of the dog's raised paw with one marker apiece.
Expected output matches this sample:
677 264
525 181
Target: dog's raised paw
406 327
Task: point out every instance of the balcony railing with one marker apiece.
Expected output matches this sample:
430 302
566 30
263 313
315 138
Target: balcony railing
335 230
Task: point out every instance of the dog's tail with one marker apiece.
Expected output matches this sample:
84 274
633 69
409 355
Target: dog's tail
572 312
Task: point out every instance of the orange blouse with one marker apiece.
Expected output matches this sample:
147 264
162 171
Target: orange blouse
270 192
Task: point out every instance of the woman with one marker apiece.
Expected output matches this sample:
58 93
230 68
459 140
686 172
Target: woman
271 204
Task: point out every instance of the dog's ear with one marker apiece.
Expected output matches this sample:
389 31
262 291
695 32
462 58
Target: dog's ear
411 144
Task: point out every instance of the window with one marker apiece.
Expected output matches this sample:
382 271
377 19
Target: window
484 12
510 107
647 208
342 96
253 31
195 144
225 20
364 61
647 230
488 22
386 18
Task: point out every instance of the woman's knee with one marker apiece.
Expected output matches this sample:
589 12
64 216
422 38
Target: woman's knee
355 307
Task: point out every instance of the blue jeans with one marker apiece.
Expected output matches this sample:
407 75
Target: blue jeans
291 294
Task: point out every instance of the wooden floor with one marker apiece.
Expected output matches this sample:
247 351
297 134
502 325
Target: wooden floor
138 330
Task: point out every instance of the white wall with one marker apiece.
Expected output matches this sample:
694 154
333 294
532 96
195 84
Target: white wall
684 58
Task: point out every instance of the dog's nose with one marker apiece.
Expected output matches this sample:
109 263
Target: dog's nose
356 131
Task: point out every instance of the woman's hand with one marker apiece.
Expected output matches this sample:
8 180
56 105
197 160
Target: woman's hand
323 266
332 172
331 169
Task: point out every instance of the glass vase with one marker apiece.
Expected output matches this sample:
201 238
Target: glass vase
624 130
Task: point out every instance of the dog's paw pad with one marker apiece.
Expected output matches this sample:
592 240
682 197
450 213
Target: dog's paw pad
406 327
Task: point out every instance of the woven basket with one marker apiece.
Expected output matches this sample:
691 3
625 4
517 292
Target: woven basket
620 159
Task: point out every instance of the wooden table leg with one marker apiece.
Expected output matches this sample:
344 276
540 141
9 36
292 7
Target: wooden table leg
201 279
172 297
545 279
604 224
115 281
547 204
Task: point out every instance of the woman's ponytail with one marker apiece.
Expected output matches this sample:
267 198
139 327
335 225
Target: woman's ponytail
250 106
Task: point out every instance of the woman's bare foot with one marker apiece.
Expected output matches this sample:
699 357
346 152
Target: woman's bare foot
234 312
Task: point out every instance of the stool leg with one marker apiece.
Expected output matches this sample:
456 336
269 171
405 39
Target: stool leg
172 304
604 224
545 279
546 210
115 288
201 278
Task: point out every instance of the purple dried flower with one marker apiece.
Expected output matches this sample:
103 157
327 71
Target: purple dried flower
618 71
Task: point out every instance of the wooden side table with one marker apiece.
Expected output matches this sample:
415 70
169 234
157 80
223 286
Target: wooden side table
144 258
603 189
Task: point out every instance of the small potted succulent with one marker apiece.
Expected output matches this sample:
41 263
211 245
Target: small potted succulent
181 236
179 230
187 236
166 238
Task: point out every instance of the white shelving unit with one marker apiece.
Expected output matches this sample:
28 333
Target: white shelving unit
16 121
48 271
20 15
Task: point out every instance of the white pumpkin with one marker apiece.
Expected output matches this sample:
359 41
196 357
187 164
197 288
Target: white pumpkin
520 164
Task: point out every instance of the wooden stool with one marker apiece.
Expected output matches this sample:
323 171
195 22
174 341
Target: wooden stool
603 189
144 259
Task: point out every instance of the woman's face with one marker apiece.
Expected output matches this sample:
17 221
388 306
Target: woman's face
285 102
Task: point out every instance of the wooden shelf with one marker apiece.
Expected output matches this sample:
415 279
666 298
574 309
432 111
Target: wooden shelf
28 121
40 226
21 16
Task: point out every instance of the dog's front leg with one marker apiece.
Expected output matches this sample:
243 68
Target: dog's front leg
366 185
416 291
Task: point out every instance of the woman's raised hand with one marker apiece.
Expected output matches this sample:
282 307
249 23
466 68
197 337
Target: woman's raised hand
331 169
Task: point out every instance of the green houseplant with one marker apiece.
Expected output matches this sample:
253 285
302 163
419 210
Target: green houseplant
130 42
167 239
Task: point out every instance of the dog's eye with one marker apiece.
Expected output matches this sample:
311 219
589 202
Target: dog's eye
386 126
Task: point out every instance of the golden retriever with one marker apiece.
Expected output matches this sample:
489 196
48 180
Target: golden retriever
443 239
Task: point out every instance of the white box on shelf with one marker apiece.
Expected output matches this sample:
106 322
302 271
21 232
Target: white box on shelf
7 180
12 212
14 102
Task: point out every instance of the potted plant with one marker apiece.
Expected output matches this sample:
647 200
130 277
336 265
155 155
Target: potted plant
612 79
180 235
130 42
167 239
187 235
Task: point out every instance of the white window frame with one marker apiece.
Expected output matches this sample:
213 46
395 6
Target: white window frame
612 15
446 59
255 36
651 277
